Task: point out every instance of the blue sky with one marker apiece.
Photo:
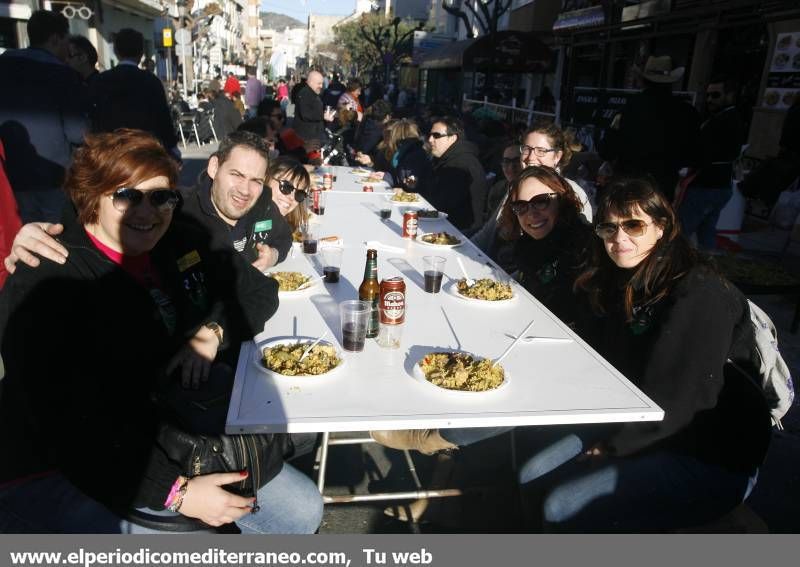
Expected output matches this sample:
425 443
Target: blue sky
299 9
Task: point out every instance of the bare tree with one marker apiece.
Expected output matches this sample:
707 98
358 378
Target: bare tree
486 12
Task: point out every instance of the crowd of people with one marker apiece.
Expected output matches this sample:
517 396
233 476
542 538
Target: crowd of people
144 287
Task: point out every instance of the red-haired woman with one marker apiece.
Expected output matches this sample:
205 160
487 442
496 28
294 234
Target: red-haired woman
85 341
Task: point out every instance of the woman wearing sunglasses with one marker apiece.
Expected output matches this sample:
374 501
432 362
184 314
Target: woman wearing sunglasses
548 145
669 324
543 215
87 341
289 182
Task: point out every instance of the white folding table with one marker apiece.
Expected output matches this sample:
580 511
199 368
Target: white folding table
548 382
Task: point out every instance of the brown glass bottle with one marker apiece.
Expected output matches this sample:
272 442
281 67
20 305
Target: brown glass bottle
370 291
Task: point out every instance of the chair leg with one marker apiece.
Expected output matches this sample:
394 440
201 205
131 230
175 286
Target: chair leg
196 135
213 131
183 138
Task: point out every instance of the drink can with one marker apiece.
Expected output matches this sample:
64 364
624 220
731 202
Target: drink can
327 181
393 301
367 189
410 221
315 195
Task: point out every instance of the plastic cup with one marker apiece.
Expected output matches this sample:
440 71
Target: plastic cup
332 263
434 270
310 238
354 316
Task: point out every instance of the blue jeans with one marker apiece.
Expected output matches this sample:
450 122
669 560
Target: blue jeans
699 212
468 436
648 492
290 504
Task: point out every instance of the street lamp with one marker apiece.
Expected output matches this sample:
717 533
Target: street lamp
181 5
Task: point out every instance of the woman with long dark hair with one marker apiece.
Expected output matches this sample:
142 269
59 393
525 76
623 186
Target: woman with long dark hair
669 324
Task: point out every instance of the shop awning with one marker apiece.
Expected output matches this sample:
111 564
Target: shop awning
506 52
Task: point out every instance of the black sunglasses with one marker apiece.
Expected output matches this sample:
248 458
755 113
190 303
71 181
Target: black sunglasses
539 202
631 227
438 135
714 95
162 199
287 189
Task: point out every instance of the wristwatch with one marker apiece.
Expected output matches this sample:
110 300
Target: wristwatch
214 326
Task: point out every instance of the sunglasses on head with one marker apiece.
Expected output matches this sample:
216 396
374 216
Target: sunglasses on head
287 189
539 203
631 227
163 200
438 135
538 151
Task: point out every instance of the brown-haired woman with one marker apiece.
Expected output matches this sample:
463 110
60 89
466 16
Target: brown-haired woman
548 145
86 341
669 324
289 182
543 215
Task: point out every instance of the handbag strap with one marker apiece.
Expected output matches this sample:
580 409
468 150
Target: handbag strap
176 524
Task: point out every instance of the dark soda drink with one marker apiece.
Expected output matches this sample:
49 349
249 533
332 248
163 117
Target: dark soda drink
386 213
331 274
310 246
353 337
433 281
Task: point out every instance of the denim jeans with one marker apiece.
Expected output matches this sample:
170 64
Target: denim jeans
290 504
699 212
648 492
470 435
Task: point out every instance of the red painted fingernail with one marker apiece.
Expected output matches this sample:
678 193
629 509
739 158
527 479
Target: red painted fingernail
243 473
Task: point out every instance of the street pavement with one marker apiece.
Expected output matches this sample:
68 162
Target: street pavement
490 503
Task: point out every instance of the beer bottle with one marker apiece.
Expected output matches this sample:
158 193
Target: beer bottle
369 291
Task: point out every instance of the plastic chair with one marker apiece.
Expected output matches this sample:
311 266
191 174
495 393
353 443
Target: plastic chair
188 120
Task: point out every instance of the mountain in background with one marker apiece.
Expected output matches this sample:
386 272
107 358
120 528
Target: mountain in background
274 21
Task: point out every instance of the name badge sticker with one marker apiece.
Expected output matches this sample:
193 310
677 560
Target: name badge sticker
189 260
263 225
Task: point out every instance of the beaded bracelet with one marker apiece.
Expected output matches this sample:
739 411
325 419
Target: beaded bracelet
177 492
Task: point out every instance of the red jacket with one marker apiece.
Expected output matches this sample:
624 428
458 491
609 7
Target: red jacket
10 222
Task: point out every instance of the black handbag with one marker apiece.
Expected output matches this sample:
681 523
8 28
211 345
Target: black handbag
192 435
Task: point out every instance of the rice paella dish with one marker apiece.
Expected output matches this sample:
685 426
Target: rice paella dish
441 238
285 359
403 197
289 281
485 289
462 372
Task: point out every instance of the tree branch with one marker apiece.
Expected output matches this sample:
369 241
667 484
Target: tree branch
461 15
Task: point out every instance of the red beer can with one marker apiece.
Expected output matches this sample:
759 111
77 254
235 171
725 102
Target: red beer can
410 221
392 301
367 189
327 181
315 195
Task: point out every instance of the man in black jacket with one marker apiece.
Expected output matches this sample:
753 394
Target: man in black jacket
128 97
309 117
228 202
721 139
43 109
458 186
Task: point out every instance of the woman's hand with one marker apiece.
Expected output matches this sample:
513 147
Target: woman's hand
36 237
363 159
206 500
195 358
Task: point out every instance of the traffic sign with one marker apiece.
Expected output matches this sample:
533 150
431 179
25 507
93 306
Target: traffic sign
183 36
